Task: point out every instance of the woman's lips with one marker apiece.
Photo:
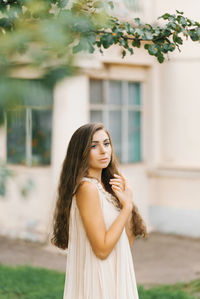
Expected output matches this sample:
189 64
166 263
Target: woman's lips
103 160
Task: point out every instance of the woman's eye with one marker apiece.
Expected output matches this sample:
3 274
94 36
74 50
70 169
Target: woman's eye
105 144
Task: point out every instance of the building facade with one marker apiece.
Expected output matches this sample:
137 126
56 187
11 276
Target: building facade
152 112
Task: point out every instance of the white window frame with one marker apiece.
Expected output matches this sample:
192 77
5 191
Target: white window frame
105 107
28 124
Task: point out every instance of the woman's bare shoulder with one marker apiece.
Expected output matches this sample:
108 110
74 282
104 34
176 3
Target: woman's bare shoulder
87 191
86 186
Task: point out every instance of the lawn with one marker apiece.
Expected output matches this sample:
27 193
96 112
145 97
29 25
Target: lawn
27 282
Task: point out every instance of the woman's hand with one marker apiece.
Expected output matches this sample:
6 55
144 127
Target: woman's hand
122 191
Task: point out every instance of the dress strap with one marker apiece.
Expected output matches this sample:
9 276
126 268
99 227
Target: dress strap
96 182
92 180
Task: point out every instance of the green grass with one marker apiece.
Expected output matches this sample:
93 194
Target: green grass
30 283
39 283
189 290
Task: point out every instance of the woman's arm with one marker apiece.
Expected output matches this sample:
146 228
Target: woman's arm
129 231
102 241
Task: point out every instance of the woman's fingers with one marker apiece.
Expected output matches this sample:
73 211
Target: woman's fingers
122 178
116 190
117 183
116 187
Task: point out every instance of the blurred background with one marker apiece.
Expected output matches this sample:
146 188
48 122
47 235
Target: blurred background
151 110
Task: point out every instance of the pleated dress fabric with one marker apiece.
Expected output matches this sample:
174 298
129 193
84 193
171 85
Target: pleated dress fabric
87 276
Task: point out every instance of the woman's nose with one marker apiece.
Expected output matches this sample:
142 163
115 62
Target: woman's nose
102 148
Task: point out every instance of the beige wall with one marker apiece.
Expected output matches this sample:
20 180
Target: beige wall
27 217
180 121
174 202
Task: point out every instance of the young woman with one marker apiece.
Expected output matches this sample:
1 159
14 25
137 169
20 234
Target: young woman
96 219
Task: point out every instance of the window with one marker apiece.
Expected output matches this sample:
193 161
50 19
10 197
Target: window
117 104
134 5
29 128
125 7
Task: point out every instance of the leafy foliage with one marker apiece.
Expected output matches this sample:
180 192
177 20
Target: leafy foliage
157 40
46 34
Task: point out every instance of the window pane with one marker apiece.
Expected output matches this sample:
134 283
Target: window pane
41 136
96 91
96 116
115 92
134 93
134 136
16 137
134 5
115 131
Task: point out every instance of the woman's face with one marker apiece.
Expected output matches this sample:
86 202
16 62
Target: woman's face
100 152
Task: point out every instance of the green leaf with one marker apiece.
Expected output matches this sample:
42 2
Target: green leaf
146 46
171 47
191 22
179 28
172 18
124 43
167 32
165 48
165 16
92 37
77 48
137 21
98 43
153 49
182 20
90 48
198 32
177 39
119 33
5 23
129 29
147 35
123 53
179 12
171 25
84 44
168 47
136 43
160 57
139 32
193 35
107 40
150 27
131 51
157 31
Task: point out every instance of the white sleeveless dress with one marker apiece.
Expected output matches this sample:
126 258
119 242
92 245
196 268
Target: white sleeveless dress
88 277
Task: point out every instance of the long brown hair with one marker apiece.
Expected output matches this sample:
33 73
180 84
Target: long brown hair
74 168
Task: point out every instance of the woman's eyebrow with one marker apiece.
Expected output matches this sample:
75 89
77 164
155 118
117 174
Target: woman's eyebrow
95 141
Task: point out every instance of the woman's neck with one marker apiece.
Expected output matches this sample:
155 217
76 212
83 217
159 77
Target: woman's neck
96 174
